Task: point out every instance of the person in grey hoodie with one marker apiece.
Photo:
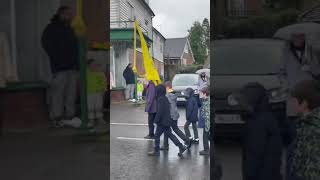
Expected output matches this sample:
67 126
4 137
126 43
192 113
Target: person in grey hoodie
174 114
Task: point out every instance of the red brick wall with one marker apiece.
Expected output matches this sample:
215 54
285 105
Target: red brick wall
23 110
117 95
140 65
255 5
158 65
188 57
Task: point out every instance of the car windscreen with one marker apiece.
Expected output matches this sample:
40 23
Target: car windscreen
247 57
185 80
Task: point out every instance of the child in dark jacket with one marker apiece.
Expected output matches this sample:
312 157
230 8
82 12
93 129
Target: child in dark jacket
174 117
192 110
163 121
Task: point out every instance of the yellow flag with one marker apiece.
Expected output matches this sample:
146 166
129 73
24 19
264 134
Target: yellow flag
78 24
151 72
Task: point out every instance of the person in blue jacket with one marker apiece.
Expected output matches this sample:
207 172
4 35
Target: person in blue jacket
192 109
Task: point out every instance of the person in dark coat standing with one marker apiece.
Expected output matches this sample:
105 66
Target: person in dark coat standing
151 108
192 110
164 122
128 75
61 45
262 142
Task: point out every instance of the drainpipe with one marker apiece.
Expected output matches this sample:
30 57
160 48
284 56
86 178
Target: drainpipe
152 37
13 32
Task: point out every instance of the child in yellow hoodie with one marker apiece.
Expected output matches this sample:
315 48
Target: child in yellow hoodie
96 87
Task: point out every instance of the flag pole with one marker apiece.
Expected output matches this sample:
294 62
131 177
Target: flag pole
80 28
135 57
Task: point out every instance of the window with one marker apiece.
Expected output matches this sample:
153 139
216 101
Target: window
131 16
146 22
236 7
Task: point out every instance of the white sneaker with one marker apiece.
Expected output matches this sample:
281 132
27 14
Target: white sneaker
75 122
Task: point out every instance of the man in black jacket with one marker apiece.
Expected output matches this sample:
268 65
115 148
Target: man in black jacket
60 44
163 121
128 75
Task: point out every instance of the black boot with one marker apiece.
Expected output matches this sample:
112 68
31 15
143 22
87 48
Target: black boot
149 137
195 141
188 143
204 153
153 153
182 150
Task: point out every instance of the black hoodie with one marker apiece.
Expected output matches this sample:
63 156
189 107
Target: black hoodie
61 45
163 107
128 75
262 145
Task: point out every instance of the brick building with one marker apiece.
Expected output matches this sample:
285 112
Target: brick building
177 53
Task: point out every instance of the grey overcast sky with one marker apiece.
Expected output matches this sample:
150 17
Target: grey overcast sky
175 17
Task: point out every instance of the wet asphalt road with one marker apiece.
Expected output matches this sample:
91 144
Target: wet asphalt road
128 153
52 155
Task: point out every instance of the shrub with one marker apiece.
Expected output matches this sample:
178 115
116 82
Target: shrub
260 26
190 69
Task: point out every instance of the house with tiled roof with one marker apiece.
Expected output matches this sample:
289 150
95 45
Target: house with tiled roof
311 15
177 53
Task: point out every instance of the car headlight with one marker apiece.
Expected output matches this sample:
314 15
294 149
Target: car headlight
278 95
182 93
232 101
196 91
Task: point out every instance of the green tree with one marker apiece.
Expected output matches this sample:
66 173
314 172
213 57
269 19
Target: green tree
206 29
198 38
284 4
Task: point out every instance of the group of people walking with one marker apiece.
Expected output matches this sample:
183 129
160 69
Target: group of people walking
161 106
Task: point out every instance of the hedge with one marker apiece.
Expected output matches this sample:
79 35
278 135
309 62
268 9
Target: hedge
259 26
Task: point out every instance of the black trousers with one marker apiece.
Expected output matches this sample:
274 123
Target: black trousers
167 131
151 117
291 133
206 145
178 132
194 127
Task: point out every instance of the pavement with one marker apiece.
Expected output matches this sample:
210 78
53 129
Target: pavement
53 154
128 153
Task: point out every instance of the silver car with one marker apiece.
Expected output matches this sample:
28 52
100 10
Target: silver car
181 82
237 62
